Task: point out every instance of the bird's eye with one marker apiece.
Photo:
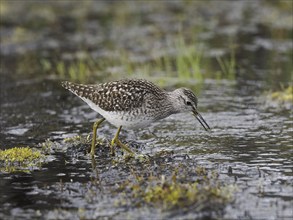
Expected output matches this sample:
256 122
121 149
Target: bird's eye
188 103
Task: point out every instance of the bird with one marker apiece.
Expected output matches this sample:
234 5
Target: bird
133 104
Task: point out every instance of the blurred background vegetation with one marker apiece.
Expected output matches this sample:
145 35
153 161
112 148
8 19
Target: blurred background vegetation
165 41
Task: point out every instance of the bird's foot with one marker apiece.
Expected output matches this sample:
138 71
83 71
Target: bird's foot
120 144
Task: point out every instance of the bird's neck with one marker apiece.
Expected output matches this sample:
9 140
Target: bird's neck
174 101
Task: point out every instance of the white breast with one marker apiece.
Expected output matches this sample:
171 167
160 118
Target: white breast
120 118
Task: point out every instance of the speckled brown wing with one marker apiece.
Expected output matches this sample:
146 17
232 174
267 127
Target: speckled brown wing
122 95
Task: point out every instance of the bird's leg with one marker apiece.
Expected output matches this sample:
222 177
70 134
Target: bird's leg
115 140
95 127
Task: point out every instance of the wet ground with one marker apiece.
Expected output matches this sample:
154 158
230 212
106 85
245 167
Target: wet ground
249 148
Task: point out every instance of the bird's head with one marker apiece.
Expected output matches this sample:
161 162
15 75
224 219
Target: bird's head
186 101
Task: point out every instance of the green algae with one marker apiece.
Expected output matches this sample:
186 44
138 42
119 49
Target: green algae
78 139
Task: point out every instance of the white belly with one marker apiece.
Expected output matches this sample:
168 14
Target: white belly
120 118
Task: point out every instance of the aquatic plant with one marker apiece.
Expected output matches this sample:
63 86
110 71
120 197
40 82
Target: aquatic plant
227 66
78 70
178 59
176 194
188 59
173 193
77 138
284 95
20 159
176 191
27 159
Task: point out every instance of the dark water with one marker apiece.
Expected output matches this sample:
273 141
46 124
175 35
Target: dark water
251 134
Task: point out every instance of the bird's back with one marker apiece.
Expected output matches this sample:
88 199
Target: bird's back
122 95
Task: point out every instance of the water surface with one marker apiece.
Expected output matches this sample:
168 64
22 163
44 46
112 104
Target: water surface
249 146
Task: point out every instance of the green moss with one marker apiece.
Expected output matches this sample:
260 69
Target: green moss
47 146
202 192
286 95
176 194
73 139
19 159
19 154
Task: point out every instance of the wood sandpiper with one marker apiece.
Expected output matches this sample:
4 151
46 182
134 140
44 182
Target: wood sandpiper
133 104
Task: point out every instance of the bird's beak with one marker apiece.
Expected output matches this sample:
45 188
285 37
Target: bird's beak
200 119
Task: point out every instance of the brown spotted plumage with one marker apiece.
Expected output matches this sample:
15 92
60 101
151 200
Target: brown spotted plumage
134 103
121 95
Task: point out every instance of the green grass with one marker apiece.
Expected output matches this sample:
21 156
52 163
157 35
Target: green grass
77 70
179 61
227 66
188 60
